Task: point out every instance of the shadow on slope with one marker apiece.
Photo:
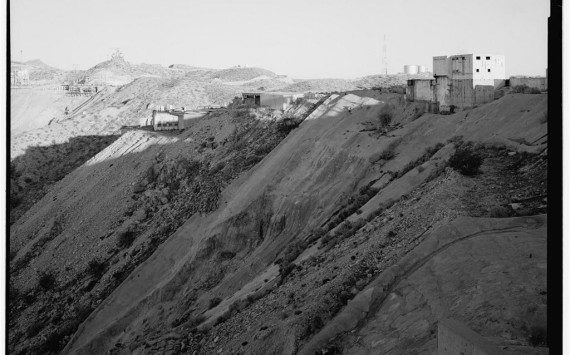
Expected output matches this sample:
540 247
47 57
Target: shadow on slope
32 173
98 223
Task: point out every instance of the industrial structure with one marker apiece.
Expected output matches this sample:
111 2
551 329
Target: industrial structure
166 120
19 77
415 69
274 100
460 81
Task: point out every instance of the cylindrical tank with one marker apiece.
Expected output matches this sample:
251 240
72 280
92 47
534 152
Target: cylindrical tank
410 69
421 69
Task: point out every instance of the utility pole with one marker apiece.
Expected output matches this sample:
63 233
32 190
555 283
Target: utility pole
384 57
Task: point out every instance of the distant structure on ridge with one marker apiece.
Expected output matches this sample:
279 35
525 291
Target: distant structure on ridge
460 81
414 69
384 58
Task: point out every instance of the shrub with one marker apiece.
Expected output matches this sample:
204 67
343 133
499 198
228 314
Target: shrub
525 89
387 155
47 280
53 343
466 161
34 329
214 302
537 336
126 238
385 116
195 321
226 255
499 212
96 267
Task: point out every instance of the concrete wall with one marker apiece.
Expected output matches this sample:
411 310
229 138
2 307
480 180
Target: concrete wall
461 66
462 93
442 93
455 338
538 83
420 90
440 66
484 94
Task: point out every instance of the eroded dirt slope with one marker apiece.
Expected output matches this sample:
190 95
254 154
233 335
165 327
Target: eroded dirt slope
304 184
237 236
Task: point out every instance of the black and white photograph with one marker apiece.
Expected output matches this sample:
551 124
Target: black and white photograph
283 177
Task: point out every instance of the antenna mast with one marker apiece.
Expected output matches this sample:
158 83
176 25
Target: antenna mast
384 57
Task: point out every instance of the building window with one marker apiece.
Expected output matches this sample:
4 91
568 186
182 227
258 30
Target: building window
478 58
477 70
487 58
488 70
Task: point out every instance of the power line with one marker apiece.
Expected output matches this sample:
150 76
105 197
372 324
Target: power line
385 57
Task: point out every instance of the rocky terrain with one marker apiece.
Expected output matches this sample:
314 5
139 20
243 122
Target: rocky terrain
353 226
125 91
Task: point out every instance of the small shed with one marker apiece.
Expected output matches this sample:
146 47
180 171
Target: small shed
274 100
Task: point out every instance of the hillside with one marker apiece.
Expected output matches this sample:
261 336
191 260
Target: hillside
127 89
240 235
39 72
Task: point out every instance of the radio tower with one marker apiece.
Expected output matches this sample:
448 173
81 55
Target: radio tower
384 58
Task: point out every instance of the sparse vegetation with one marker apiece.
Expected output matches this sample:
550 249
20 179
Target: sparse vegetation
525 89
387 155
47 280
500 212
386 115
465 160
214 302
538 336
126 238
96 267
32 173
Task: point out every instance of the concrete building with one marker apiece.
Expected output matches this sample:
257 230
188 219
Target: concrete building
274 100
19 77
166 120
461 81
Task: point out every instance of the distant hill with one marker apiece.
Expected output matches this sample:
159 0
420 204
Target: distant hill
242 73
39 72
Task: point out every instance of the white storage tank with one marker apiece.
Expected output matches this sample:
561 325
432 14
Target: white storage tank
410 69
422 69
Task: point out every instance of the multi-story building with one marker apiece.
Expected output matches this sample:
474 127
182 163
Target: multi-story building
461 81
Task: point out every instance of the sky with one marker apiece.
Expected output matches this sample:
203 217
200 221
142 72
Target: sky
299 38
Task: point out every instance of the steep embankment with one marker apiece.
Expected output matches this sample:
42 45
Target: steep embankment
68 253
279 208
229 238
